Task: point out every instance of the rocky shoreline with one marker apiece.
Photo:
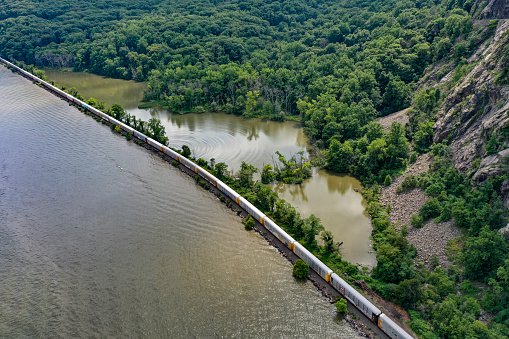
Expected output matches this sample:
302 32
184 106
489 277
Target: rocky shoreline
430 240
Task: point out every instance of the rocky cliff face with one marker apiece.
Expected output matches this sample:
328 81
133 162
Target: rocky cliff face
494 9
474 119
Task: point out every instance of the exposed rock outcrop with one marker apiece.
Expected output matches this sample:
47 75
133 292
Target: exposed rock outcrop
495 9
474 118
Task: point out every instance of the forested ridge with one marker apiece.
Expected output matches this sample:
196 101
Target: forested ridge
336 66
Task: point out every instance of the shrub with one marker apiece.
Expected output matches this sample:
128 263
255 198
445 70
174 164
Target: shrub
389 291
300 269
175 163
388 180
410 182
249 223
430 209
341 306
413 157
201 162
435 262
409 292
416 221
186 151
435 189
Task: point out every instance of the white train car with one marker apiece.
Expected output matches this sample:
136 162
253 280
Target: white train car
355 298
168 151
95 111
207 176
391 328
279 233
140 135
127 128
255 212
230 193
157 145
313 262
189 164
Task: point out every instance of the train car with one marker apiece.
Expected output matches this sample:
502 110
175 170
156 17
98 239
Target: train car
127 128
207 176
171 153
355 298
95 111
157 145
189 164
138 135
230 193
313 262
255 212
279 233
391 328
59 91
104 116
114 121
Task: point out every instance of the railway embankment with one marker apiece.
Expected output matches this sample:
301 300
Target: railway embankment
355 318
364 325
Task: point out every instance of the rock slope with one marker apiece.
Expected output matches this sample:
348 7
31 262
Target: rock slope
430 240
474 119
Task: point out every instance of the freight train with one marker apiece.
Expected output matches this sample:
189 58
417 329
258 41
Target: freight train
353 296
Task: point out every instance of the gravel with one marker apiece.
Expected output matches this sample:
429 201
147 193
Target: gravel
430 240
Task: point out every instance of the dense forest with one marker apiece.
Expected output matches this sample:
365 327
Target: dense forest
336 66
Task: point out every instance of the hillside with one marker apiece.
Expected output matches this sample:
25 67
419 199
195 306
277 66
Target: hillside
474 119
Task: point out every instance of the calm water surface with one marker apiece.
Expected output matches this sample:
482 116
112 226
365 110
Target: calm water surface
100 238
233 139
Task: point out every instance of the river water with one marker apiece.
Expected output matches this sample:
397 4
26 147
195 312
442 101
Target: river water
101 238
233 139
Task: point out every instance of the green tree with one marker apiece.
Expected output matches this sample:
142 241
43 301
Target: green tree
221 170
329 245
300 269
342 158
424 136
430 209
388 180
312 227
249 223
186 151
396 97
409 292
157 131
265 197
341 305
118 112
483 255
246 174
267 175
398 148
